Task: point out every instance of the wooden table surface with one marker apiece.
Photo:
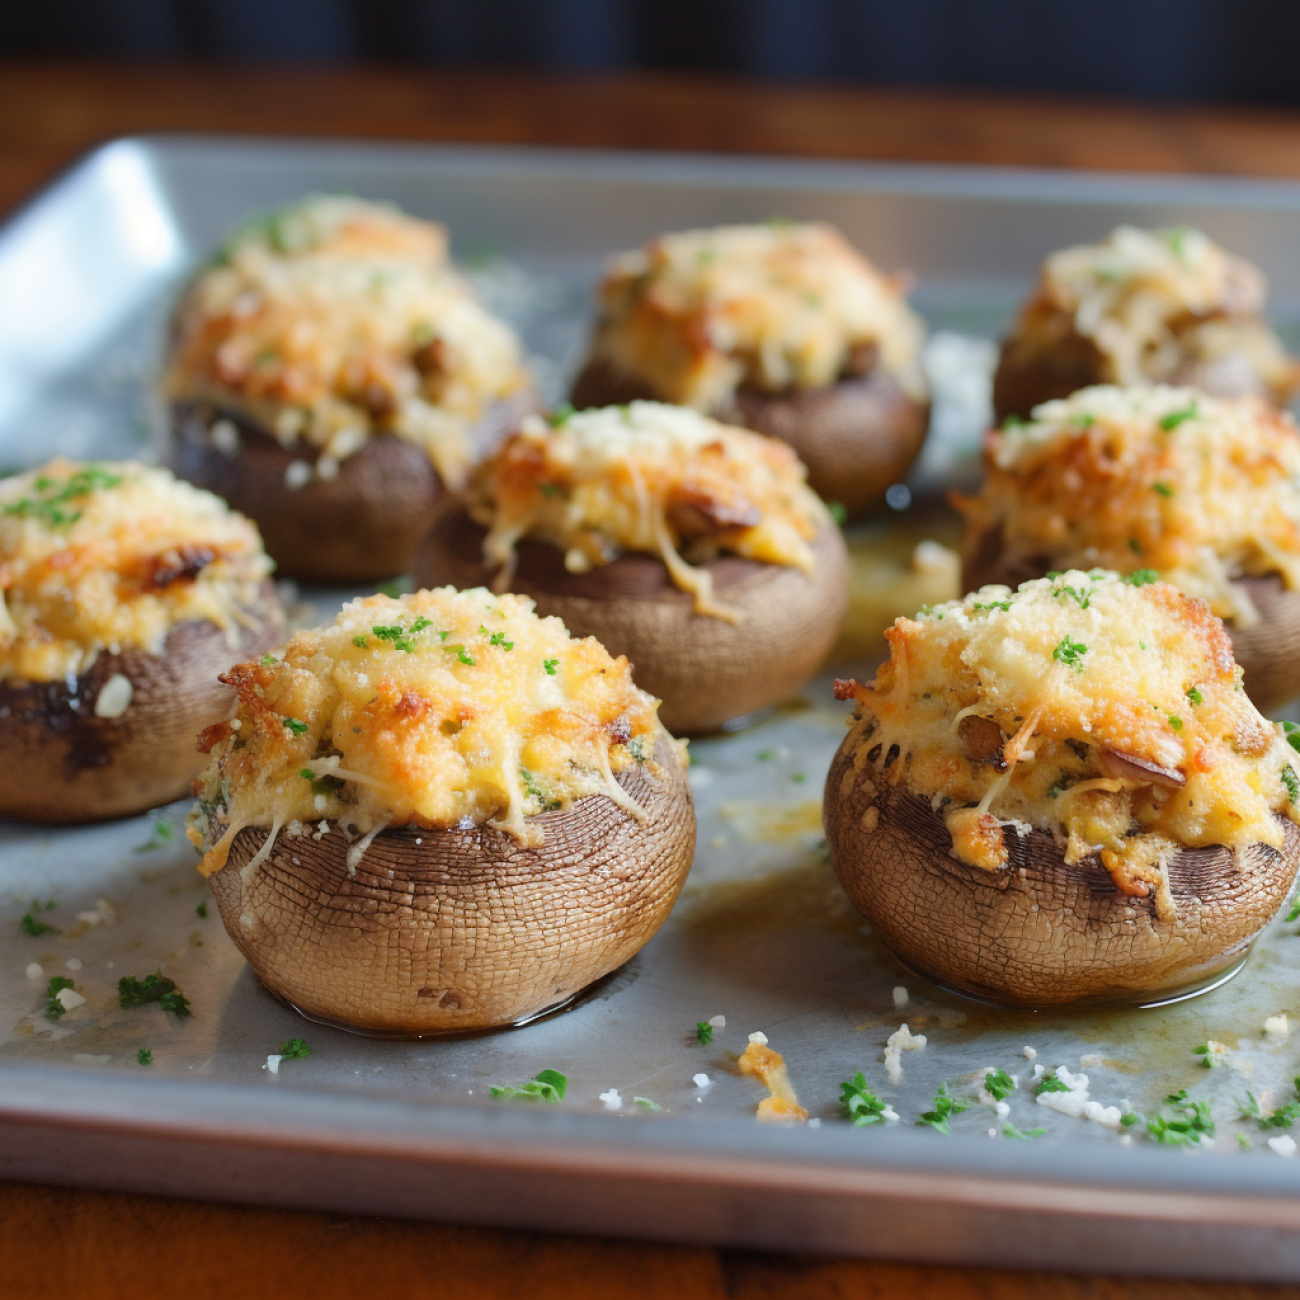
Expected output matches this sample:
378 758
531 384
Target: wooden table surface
59 1243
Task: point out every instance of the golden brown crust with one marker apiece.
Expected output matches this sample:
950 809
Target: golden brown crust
1038 932
856 437
60 762
707 671
1268 652
360 526
465 929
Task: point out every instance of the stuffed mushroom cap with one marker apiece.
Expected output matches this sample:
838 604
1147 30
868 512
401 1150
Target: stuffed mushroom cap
441 813
123 594
329 372
693 547
783 327
1144 306
1062 792
1204 491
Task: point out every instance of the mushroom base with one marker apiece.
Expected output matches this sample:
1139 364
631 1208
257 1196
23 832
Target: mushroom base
1039 933
61 762
1268 652
358 526
857 436
454 931
709 673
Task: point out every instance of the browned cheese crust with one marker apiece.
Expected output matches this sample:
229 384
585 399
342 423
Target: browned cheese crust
359 526
61 763
707 671
857 437
451 931
1040 933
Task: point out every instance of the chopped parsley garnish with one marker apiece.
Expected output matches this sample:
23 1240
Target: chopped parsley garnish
1208 1055
52 496
549 489
704 1031
202 910
1070 653
53 1007
1083 420
646 1104
1195 696
1141 577
1135 546
1003 605
132 992
561 415
1163 488
798 777
1050 1084
546 1085
29 924
859 1103
637 748
296 725
1013 422
1175 722
395 587
1291 731
1292 784
496 638
1084 598
294 1049
1176 239
268 659
1022 1135
360 641
1180 1122
1244 1142
945 1107
144 1056
420 624
1062 783
163 833
461 653
1175 418
999 1085
766 755
531 786
1283 1117
550 665
837 512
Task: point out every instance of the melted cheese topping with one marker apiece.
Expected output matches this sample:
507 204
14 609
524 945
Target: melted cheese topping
1105 712
438 709
108 556
766 307
1153 301
1202 490
648 478
335 320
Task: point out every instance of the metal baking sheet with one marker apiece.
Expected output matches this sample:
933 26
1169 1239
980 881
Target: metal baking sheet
762 934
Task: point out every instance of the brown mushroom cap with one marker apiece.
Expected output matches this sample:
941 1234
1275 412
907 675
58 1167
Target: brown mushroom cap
857 436
1038 932
450 931
1268 652
359 526
60 762
707 671
1026 378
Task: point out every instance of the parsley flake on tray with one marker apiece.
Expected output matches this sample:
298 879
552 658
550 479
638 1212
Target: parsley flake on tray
546 1085
133 992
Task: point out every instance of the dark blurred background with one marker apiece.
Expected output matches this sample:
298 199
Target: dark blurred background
1226 50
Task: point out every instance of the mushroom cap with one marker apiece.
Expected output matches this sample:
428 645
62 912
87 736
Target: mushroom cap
1268 651
1026 378
359 526
856 436
61 762
451 931
1039 932
707 672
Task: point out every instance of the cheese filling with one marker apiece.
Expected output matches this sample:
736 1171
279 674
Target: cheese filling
650 478
1203 490
336 320
770 307
438 709
1152 302
1106 711
109 556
